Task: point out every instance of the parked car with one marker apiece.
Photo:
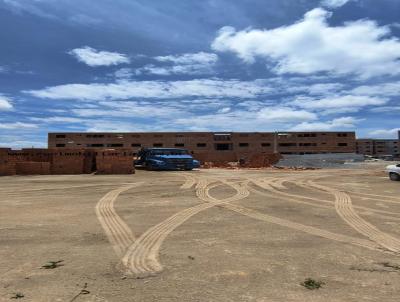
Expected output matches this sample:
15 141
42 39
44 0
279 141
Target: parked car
166 159
394 172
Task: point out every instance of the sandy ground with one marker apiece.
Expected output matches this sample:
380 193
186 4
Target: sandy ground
209 235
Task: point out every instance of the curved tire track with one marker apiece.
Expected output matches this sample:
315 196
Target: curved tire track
142 256
117 231
190 181
269 185
300 227
382 198
345 210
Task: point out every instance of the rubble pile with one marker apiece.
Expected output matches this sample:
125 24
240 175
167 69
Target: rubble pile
329 160
254 160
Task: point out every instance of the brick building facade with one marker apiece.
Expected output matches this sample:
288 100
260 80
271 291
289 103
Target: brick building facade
378 147
212 146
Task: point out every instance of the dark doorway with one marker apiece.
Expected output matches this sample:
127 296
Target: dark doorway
94 164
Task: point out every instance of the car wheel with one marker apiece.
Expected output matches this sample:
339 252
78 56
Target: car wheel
394 176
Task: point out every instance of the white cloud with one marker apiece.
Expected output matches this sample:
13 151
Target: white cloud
57 119
285 115
190 63
5 103
309 46
85 19
17 126
385 89
123 73
342 123
116 126
190 58
386 133
254 105
129 109
324 88
334 3
18 140
224 110
30 7
338 104
93 57
154 89
177 69
387 109
268 119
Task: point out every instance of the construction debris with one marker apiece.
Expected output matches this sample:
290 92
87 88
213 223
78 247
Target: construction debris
253 160
331 160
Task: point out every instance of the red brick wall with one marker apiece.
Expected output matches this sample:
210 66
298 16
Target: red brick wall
114 162
216 157
68 162
32 168
6 167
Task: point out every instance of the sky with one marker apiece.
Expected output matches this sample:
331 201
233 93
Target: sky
210 65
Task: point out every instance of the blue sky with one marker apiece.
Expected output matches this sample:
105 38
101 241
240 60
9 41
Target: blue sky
218 65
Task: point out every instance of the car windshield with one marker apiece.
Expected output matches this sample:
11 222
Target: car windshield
169 152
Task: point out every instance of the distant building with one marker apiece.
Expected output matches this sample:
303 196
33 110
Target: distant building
378 147
218 144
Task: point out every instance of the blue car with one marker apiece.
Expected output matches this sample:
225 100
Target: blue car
166 159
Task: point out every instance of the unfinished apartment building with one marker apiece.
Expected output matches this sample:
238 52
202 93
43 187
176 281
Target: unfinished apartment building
378 147
214 146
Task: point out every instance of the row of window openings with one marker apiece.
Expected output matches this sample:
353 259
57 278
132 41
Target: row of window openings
378 147
203 145
199 145
217 137
378 143
122 136
308 144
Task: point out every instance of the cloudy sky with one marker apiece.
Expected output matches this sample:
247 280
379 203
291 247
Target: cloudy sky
219 65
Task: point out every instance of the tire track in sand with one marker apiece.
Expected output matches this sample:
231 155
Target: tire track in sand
345 210
381 198
118 232
142 256
293 225
190 181
270 186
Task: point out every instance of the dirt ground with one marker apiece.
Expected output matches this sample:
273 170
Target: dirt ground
208 235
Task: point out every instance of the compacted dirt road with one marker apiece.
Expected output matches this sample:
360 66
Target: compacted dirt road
208 235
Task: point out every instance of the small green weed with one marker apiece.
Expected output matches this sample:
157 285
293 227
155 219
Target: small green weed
53 264
312 284
18 296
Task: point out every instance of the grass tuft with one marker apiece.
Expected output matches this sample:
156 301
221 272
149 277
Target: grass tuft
312 284
18 296
53 264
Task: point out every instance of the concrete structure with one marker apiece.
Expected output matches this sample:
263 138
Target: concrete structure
378 147
66 161
214 146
